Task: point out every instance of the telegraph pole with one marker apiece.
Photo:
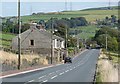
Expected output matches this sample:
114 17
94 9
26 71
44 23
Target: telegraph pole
19 46
70 6
106 41
66 42
109 5
66 5
52 49
77 42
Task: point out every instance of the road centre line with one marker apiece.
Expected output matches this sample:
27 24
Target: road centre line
41 77
45 80
54 77
31 81
51 73
61 73
58 70
67 71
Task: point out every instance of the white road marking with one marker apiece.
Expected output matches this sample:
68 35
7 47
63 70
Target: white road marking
54 77
79 54
24 72
67 71
74 67
41 77
61 73
51 73
45 80
62 69
57 70
31 81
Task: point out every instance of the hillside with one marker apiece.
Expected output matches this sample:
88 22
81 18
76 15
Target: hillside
6 39
102 8
90 14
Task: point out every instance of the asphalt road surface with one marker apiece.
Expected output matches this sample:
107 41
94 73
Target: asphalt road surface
81 70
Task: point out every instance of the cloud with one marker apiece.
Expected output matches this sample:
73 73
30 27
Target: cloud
60 0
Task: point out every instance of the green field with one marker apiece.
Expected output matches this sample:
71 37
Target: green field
48 16
87 31
90 15
6 39
6 36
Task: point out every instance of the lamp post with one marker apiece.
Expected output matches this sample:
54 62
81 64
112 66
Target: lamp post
19 46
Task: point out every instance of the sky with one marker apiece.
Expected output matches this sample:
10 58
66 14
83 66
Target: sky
9 7
60 0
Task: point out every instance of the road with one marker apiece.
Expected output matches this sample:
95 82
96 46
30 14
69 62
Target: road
81 70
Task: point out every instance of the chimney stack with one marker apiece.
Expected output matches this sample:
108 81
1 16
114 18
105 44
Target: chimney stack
41 27
33 25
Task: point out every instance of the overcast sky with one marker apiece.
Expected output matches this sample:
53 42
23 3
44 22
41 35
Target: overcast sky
9 7
61 0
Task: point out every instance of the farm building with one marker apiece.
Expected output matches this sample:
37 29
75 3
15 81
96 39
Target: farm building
37 40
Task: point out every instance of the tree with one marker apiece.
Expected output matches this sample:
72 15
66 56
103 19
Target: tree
111 42
72 42
113 19
111 32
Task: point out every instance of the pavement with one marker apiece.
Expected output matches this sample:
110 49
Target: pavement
81 70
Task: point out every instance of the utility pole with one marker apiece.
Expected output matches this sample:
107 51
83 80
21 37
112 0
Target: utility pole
52 49
65 5
77 42
109 5
106 41
19 46
70 6
74 42
66 42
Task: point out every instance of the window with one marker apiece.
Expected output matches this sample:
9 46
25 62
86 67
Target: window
32 42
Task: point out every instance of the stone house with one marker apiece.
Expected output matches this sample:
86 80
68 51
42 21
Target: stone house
37 40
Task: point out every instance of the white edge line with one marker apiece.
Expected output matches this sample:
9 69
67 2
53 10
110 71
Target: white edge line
29 71
34 69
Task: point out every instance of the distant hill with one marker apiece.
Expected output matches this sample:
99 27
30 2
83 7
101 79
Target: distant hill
90 14
103 8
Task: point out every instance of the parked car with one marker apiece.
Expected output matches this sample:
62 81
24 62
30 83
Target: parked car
68 60
88 47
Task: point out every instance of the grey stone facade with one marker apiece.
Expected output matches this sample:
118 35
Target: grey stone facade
37 41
